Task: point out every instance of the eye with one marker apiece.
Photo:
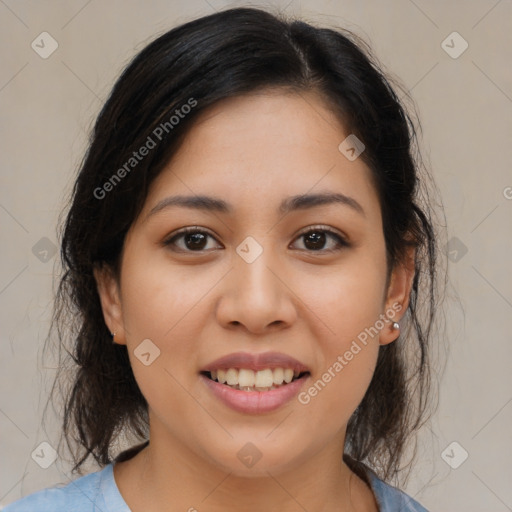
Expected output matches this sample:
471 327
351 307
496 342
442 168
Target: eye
194 240
316 237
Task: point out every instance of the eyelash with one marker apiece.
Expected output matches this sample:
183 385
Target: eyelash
341 243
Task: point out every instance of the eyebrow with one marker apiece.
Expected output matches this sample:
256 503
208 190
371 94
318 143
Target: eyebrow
292 203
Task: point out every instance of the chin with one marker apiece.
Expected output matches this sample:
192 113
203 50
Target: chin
255 460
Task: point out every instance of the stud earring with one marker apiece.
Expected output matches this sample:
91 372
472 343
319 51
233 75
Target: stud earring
113 334
396 325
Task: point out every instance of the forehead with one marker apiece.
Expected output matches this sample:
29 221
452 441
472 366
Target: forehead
268 144
267 126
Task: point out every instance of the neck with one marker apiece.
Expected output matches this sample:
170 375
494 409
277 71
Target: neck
165 477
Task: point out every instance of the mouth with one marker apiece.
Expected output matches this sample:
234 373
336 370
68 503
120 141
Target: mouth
246 379
255 383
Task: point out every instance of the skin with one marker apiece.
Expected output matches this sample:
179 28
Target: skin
253 151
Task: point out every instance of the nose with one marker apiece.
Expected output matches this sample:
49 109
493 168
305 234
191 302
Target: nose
257 295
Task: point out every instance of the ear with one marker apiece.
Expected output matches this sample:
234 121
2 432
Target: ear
108 290
398 294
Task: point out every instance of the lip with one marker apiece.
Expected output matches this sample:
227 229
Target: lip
255 402
256 362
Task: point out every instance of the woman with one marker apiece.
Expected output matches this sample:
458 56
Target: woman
243 250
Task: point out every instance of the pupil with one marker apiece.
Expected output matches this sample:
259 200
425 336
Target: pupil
317 239
197 240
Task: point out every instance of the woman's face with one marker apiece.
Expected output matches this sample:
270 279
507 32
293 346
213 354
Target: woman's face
272 276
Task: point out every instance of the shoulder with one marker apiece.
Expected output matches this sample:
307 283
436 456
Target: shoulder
84 494
390 498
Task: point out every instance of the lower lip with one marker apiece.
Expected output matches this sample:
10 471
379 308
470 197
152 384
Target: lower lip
255 402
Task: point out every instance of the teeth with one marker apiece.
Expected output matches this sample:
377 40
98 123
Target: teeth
264 378
221 376
288 375
232 377
278 375
246 378
249 380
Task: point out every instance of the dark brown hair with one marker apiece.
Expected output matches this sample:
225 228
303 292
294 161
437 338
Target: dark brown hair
204 61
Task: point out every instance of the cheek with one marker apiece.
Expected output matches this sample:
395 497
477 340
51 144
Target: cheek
346 366
347 307
168 305
161 305
158 298
347 301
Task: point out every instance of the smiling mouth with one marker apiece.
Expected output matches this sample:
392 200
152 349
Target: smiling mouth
245 379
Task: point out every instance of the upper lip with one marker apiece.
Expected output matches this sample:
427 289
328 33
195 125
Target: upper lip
256 362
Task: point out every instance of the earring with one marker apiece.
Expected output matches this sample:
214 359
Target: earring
396 325
113 334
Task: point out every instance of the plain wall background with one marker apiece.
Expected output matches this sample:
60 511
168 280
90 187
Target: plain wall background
465 106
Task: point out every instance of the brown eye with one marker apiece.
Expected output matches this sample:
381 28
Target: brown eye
192 240
195 240
316 239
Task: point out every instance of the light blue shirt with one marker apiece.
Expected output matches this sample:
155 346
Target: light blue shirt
98 492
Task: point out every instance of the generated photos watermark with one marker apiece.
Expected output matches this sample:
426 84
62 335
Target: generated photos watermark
341 361
156 136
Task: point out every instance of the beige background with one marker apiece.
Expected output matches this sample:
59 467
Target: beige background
465 104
